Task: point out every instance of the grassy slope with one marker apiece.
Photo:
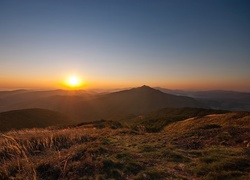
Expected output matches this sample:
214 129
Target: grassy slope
30 118
157 120
202 147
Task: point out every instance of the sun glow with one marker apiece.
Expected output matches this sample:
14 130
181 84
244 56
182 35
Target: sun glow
74 82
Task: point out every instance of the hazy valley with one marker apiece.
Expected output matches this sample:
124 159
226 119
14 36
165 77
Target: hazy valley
80 105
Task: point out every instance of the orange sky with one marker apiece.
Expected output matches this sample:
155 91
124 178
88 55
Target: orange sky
40 83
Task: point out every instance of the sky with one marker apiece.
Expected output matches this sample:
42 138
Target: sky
175 44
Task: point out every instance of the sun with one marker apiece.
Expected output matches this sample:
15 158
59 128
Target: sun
74 82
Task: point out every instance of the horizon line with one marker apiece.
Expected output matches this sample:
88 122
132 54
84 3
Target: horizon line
120 89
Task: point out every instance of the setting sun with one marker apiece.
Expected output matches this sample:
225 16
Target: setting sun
74 82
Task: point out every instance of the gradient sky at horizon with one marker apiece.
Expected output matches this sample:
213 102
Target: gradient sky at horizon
176 44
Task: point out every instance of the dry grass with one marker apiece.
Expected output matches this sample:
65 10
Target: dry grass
18 148
200 148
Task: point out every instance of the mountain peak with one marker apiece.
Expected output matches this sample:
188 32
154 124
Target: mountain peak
146 88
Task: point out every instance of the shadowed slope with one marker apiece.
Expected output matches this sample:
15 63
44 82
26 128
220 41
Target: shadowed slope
31 118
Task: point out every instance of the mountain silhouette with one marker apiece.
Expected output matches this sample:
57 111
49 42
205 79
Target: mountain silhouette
142 99
85 107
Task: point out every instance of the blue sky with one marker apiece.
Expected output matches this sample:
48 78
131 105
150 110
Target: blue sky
193 44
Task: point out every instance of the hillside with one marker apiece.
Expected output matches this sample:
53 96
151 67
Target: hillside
202 144
157 120
31 118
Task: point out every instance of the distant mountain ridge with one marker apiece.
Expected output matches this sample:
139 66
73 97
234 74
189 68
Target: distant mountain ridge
217 99
84 106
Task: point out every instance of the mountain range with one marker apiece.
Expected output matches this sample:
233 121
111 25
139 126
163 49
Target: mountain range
88 106
83 105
